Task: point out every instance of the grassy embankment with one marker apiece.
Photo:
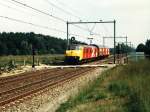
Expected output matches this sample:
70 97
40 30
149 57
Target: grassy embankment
121 89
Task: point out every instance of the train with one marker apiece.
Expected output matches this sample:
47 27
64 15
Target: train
83 53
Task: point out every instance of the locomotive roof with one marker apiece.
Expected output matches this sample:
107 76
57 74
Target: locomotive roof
92 45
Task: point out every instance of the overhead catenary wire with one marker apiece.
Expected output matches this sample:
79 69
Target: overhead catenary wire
91 30
70 8
61 9
8 1
17 10
20 10
36 25
40 11
106 29
64 5
45 13
33 24
9 7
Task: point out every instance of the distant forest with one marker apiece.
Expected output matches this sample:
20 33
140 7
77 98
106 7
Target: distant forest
22 43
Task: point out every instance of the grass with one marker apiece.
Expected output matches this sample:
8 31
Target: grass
121 89
8 61
28 58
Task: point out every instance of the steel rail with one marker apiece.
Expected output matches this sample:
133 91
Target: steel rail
39 89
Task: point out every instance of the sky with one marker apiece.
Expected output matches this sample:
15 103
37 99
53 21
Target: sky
132 19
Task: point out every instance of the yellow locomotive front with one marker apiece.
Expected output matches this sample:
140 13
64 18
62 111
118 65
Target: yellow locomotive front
74 54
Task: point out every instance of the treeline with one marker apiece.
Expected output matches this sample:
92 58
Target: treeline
122 48
144 47
22 44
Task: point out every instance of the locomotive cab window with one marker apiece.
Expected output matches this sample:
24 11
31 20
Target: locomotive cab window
74 47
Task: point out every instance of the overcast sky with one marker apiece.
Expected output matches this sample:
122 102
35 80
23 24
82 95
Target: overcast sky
132 16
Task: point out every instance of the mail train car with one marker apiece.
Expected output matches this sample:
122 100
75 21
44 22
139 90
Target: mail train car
82 53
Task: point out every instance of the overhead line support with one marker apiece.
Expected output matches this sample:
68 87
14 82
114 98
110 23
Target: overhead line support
114 41
67 35
81 22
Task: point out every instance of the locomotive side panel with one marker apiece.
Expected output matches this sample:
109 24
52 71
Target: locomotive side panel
90 52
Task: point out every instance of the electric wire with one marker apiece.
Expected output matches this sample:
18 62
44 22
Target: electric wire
8 1
105 28
61 9
46 13
40 11
39 26
64 5
33 24
67 13
9 7
21 11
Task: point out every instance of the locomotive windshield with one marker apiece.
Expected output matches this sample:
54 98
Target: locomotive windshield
74 47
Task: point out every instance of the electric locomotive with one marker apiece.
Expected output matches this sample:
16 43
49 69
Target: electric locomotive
80 53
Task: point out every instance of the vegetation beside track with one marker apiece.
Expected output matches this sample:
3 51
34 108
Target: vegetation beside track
121 89
8 63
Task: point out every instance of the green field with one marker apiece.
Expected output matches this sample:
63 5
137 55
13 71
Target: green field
10 62
121 89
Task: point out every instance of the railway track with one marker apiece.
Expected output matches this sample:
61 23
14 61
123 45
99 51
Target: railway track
14 88
102 61
27 79
110 59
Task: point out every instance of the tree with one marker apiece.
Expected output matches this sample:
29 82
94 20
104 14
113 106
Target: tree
147 48
122 48
140 48
20 44
3 48
25 49
52 51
